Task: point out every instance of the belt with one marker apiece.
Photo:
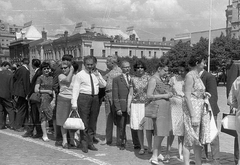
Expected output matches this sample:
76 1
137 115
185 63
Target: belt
87 94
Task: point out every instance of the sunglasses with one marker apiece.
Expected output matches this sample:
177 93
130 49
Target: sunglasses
46 68
64 67
140 67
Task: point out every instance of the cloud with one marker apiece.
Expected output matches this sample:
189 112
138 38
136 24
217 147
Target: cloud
18 19
5 5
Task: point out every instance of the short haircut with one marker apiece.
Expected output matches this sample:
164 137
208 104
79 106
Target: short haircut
25 61
67 57
163 62
139 63
195 59
45 65
5 63
89 58
36 63
75 66
66 63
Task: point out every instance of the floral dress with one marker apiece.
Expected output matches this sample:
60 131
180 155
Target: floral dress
200 134
45 110
176 102
137 117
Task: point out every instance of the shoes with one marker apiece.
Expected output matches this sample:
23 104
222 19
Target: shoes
27 134
65 146
106 143
58 143
92 147
95 140
166 159
45 139
154 161
137 147
122 147
141 152
36 136
160 157
84 148
19 130
4 127
10 127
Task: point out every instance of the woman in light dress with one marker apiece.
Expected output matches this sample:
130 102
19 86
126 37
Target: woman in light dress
176 102
196 122
159 91
136 106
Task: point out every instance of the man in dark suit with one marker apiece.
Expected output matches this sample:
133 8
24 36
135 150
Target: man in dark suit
211 87
6 104
34 114
120 90
21 88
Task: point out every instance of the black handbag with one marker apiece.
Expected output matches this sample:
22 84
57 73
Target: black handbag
35 97
228 131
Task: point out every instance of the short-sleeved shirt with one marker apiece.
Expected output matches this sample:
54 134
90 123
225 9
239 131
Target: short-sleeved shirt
45 82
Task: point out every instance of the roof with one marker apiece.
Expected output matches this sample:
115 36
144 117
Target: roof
29 32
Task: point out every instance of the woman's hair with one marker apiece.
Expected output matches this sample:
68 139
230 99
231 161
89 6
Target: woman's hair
66 63
45 65
163 62
195 59
139 63
36 63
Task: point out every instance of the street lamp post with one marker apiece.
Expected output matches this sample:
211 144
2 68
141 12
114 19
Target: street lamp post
209 34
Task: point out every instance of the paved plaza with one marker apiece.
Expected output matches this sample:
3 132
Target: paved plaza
15 150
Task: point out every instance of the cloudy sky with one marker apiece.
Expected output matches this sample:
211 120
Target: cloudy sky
152 19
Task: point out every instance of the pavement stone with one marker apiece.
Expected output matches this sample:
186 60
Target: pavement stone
17 150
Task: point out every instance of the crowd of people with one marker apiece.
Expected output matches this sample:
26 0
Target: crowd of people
63 88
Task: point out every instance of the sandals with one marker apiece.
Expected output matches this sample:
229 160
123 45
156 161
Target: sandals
154 161
45 139
141 152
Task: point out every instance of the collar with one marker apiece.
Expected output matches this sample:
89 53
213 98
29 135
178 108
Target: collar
36 70
200 73
24 65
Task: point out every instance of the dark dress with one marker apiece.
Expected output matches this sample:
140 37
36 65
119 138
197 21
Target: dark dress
45 110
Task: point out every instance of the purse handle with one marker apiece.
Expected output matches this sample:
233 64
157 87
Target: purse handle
72 112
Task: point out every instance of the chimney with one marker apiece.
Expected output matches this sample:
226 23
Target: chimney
66 34
163 39
44 35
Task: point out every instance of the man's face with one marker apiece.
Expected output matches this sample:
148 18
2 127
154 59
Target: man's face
126 67
89 65
5 67
109 64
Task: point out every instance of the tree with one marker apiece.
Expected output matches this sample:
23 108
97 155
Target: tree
179 54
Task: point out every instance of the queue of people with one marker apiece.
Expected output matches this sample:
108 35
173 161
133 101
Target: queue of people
62 89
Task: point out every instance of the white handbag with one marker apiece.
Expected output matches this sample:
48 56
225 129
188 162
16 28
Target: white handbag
74 122
213 128
228 122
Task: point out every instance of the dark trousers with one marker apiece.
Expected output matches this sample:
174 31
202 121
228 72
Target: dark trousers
6 107
214 146
88 109
21 114
236 150
34 119
58 128
121 130
109 117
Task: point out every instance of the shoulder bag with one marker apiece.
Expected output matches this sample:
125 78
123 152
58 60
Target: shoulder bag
151 110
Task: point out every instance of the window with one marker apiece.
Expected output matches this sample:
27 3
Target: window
103 53
130 53
75 53
149 53
141 53
91 52
155 54
116 53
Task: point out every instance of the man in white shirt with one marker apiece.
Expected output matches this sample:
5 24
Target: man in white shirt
85 100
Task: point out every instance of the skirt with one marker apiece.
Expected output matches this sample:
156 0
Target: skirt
138 121
63 110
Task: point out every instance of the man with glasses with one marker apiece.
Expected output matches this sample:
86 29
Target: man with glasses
120 90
